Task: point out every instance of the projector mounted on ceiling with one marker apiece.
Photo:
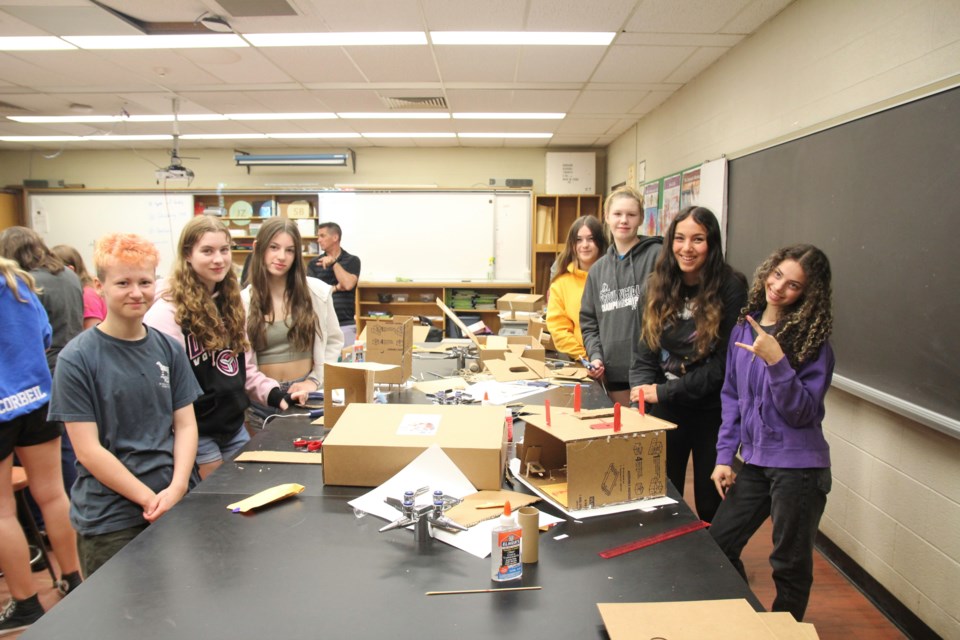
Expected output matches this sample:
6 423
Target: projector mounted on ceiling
176 170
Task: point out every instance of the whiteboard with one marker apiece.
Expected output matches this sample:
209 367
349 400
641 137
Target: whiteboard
79 219
433 235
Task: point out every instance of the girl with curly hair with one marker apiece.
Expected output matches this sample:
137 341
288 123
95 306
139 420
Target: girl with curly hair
291 321
779 368
586 242
692 304
199 305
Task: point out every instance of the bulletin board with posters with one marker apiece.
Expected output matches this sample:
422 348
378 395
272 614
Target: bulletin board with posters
704 185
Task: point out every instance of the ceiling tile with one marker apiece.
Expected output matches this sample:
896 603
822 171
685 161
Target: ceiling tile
395 64
607 101
697 62
584 126
688 16
754 15
558 64
478 64
640 64
314 64
596 15
474 15
368 15
529 100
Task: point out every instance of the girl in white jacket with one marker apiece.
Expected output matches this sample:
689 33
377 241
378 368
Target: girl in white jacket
291 322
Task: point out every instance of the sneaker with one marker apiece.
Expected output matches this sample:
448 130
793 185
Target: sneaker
68 582
18 615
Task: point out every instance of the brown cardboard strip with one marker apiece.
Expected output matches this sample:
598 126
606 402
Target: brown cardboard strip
472 510
293 457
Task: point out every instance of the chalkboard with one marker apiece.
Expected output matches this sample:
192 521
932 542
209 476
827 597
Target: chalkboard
78 219
434 235
880 196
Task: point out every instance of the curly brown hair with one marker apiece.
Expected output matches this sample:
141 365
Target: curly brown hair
805 326
304 322
664 300
216 322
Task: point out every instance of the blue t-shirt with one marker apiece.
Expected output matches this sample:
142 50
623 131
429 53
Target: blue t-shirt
131 389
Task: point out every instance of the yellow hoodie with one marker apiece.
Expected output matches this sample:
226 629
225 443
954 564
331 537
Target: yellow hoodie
563 311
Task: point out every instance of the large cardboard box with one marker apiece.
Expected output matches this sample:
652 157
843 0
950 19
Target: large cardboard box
390 341
520 302
586 464
354 380
494 348
372 442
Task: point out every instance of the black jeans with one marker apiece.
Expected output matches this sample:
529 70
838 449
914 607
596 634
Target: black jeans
696 433
794 499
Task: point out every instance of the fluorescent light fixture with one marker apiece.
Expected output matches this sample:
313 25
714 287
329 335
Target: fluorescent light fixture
127 138
310 136
409 135
505 135
190 41
198 117
564 38
41 138
281 116
344 39
387 115
224 136
292 160
34 43
509 116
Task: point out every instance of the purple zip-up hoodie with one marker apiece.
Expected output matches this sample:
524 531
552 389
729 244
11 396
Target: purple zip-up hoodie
774 413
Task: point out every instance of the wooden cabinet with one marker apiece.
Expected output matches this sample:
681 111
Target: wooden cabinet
552 217
418 299
245 211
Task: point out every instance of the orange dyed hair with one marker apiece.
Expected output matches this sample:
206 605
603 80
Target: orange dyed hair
124 248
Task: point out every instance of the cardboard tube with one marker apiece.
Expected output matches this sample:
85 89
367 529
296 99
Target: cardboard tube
529 518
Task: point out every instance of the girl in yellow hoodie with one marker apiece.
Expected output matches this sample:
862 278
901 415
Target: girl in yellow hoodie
586 242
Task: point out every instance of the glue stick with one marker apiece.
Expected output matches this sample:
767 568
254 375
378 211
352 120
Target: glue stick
505 552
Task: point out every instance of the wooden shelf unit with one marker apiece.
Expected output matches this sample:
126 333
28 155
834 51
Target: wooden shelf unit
421 298
243 228
552 217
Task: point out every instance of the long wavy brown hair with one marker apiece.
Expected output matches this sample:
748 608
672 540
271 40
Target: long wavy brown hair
304 323
15 276
569 253
806 325
25 247
664 300
217 323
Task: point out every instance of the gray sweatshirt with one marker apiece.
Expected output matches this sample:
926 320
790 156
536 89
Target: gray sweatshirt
609 311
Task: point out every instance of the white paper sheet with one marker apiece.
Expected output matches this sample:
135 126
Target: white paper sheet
435 469
581 514
504 392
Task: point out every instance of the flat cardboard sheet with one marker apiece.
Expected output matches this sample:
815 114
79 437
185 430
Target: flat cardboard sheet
265 497
473 509
441 384
513 367
694 620
785 627
292 457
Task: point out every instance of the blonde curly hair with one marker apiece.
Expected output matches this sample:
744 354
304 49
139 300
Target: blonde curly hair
216 321
804 327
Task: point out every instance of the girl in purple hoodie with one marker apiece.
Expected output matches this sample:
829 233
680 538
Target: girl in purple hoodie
779 367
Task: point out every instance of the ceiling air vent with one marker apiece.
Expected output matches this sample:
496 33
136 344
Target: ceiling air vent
402 104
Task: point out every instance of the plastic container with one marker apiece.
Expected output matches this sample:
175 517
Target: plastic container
505 552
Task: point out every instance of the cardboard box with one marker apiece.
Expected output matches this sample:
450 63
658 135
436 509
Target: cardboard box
356 381
372 442
520 302
587 465
538 330
390 341
494 348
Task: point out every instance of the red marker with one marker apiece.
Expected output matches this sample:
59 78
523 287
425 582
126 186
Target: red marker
641 407
576 398
616 417
546 404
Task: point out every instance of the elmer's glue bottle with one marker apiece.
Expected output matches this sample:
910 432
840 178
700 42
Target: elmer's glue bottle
505 553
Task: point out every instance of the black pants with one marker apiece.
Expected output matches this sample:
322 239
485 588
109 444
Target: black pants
795 499
696 433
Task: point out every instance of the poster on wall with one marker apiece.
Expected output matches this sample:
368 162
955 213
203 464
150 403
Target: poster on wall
651 210
671 201
690 188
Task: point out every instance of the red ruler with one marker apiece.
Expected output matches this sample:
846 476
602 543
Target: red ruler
654 539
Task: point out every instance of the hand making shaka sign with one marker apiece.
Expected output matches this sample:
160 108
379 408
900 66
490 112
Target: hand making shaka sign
765 346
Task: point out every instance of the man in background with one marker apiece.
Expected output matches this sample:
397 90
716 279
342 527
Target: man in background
341 270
